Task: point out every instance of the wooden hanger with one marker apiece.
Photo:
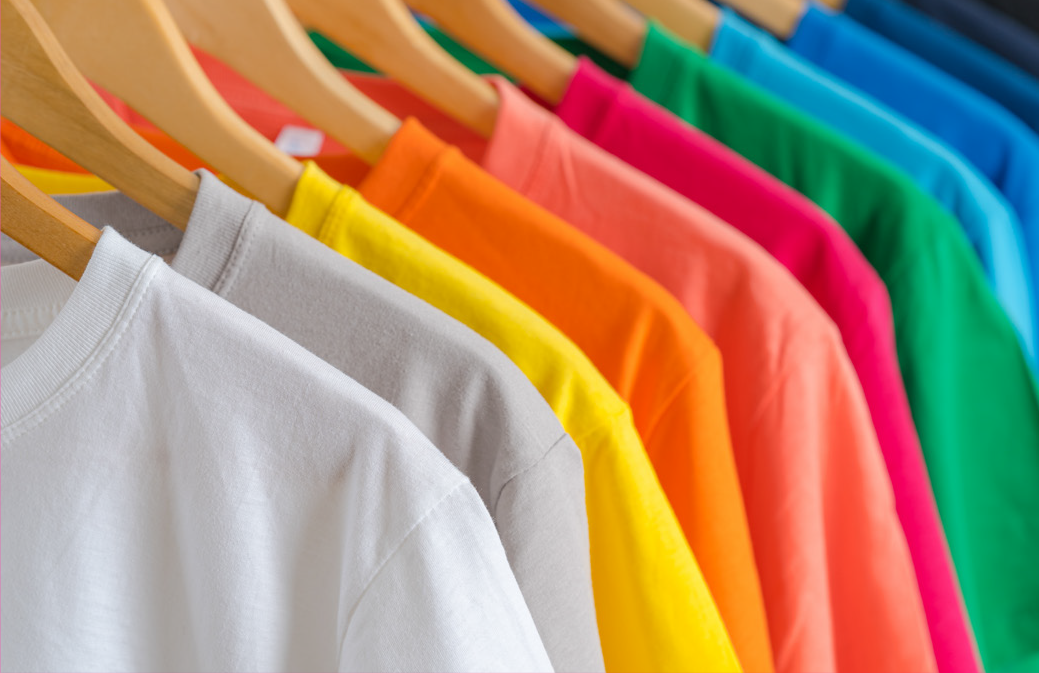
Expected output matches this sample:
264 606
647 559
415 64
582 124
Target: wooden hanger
605 24
695 21
262 40
134 49
385 35
44 94
779 17
42 225
493 29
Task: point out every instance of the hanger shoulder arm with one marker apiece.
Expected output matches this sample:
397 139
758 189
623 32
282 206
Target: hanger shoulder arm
262 40
45 95
134 49
695 21
385 35
40 224
607 25
497 32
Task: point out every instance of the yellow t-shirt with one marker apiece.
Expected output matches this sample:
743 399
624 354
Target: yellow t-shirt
654 609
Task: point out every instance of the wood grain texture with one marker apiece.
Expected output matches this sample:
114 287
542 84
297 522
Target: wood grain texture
46 95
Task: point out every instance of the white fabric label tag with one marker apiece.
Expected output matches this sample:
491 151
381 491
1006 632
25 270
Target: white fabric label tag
299 141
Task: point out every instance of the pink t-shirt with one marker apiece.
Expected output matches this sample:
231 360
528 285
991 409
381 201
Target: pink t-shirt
835 569
820 254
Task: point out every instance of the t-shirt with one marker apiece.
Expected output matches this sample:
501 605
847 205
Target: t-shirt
988 27
969 383
996 142
464 395
989 222
184 488
653 606
699 478
648 588
955 54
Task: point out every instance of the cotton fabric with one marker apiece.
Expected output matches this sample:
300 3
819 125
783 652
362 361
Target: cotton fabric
185 488
955 54
459 390
989 222
968 381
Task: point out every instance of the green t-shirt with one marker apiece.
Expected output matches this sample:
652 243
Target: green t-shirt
972 393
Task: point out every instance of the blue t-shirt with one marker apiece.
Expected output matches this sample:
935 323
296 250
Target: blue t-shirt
989 222
996 142
968 62
988 27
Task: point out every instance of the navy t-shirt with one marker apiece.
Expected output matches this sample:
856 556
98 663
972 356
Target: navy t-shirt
1026 12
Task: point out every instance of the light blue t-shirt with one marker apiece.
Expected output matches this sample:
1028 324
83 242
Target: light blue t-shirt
989 222
997 143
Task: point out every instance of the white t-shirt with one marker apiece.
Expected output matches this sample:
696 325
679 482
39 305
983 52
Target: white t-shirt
184 488
464 394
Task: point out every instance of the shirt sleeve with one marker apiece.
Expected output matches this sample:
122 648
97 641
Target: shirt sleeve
445 599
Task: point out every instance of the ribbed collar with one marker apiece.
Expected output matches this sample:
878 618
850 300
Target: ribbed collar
82 334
